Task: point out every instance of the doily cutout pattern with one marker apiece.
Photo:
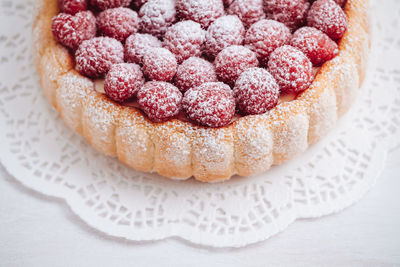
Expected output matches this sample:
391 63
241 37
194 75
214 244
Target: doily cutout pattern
43 154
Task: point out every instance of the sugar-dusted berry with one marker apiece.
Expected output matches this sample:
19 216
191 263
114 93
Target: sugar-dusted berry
159 64
185 39
256 91
106 4
223 32
328 16
118 23
292 13
291 69
232 61
137 44
265 36
201 11
156 16
194 72
249 11
316 45
210 104
73 6
160 101
123 81
72 30
95 57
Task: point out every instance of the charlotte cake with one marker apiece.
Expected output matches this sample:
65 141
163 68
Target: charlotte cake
178 148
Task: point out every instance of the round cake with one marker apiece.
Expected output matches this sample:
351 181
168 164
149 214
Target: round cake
180 107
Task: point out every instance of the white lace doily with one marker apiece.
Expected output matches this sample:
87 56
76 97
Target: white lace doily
40 152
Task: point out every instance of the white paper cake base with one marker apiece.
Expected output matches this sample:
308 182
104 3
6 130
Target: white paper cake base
43 154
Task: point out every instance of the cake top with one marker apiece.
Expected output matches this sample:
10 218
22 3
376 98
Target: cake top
210 60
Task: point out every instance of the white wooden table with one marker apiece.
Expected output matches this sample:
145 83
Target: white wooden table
41 231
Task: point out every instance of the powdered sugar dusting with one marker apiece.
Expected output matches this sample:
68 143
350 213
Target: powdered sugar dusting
185 39
210 104
290 124
256 91
71 31
159 64
253 146
232 61
265 36
99 123
292 13
156 16
118 23
213 154
194 72
249 11
223 32
95 57
161 101
201 11
328 17
70 94
316 45
123 81
291 68
73 6
137 44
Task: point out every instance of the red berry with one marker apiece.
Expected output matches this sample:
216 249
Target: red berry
223 32
159 64
256 91
95 57
72 30
316 45
123 81
249 11
201 11
232 61
291 69
210 104
106 4
328 16
137 44
156 16
194 72
118 23
161 101
73 6
185 39
292 13
265 36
